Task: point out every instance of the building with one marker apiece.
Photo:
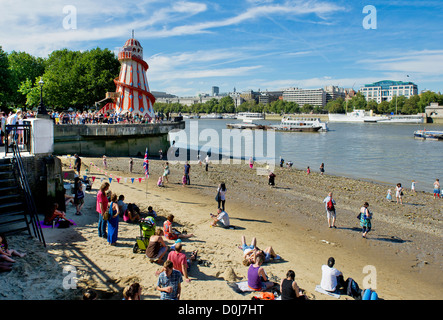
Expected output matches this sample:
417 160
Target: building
215 91
269 96
434 110
334 92
314 97
386 90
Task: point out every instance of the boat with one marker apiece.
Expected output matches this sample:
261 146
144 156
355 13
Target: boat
300 125
212 116
356 116
245 125
403 119
250 116
428 135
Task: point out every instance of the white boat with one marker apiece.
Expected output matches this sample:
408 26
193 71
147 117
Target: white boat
403 119
212 116
250 116
428 135
356 116
300 124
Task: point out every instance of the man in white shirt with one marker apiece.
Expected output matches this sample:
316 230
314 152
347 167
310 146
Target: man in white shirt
331 278
221 219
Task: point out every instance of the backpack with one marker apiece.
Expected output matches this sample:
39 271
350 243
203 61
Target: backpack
330 205
352 289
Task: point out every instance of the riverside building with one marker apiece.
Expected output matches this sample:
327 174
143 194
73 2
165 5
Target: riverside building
386 90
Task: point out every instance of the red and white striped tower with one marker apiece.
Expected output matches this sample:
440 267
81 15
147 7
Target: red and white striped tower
132 87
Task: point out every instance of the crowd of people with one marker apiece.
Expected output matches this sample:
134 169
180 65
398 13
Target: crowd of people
97 117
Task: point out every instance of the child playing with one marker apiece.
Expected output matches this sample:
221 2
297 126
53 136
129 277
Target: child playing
5 252
413 186
308 170
160 182
184 180
389 195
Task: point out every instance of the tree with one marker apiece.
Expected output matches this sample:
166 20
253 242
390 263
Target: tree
23 67
336 106
5 76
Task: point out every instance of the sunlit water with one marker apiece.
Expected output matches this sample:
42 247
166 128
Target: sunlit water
386 153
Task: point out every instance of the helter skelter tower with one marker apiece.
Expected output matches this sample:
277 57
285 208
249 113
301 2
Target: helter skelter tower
132 87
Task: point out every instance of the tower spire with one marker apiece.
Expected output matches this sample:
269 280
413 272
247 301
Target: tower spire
132 33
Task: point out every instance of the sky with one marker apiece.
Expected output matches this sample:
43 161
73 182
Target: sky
192 45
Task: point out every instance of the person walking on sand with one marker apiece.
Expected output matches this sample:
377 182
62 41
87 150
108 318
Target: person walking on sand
399 193
166 172
105 162
131 164
221 196
101 207
330 210
413 186
186 172
436 189
206 162
251 162
77 164
365 219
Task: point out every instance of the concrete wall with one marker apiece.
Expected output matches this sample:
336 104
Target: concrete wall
45 179
113 140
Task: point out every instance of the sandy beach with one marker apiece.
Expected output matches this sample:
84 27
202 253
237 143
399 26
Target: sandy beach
403 250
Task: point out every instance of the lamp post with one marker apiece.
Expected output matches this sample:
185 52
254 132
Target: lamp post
41 108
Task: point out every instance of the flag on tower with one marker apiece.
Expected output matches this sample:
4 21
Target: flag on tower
146 163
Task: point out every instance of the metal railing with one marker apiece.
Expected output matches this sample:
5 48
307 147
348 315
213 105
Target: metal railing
31 213
18 134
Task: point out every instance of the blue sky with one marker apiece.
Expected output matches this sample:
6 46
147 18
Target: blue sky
193 45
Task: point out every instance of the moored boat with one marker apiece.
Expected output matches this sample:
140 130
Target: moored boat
250 116
428 135
356 116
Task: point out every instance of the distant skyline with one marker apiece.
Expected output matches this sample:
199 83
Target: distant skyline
191 46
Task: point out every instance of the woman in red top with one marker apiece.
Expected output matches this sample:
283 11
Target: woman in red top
171 233
101 207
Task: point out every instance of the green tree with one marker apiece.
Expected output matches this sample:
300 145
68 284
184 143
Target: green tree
23 67
336 106
5 76
425 100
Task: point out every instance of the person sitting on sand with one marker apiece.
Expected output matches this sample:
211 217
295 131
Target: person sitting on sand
132 292
156 248
180 262
55 215
151 212
160 181
257 278
172 233
6 253
331 279
221 219
132 213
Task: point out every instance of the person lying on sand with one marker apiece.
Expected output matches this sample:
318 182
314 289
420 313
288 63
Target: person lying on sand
251 252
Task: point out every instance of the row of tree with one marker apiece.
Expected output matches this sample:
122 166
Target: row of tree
398 105
77 80
72 79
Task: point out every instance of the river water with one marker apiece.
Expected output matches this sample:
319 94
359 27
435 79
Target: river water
385 153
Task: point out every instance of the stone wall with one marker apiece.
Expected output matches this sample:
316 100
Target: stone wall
123 140
44 173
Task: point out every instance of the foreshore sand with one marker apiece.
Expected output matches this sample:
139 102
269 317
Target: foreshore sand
402 253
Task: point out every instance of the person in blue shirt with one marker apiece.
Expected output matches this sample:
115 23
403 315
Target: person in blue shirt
169 282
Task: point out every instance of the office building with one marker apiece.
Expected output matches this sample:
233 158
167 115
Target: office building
386 90
314 97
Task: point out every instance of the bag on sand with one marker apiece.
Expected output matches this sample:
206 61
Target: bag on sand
352 289
62 223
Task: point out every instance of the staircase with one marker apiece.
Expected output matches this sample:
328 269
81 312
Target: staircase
13 217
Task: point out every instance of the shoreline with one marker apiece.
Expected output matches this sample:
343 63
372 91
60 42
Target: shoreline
404 245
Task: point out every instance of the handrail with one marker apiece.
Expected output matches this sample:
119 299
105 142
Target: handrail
32 209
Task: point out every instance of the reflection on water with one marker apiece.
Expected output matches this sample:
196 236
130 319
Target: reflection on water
385 153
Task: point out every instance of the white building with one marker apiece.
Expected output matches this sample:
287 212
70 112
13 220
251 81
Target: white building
314 97
386 90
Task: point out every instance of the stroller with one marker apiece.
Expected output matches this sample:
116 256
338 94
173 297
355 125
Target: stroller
147 229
